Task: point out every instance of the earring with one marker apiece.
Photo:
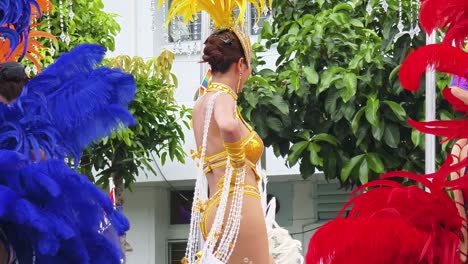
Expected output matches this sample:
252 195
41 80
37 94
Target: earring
238 83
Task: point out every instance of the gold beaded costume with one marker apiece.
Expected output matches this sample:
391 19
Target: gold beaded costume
216 245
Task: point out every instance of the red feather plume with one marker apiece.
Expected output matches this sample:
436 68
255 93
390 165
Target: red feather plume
437 14
457 104
457 32
440 57
391 223
449 129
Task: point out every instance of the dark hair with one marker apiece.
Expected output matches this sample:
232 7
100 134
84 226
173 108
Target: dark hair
222 49
12 80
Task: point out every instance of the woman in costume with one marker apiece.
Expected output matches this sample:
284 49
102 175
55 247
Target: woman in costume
48 212
230 139
392 223
459 88
230 222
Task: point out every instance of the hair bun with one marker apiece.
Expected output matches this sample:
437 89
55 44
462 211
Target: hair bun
213 56
12 71
222 49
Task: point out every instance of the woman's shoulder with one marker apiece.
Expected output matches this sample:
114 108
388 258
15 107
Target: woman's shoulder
220 100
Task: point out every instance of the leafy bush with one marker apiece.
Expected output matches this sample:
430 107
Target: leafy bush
334 101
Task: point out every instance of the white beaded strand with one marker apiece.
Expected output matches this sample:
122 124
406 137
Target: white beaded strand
415 22
231 231
153 15
71 14
200 195
49 27
400 25
384 5
62 26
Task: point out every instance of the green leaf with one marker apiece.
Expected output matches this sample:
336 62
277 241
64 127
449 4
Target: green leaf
327 78
416 137
325 137
392 135
274 123
304 135
295 82
311 75
348 110
394 73
280 104
343 7
397 109
446 115
258 80
349 166
375 163
378 131
355 123
350 82
356 23
372 108
361 134
363 172
163 158
339 19
296 151
314 157
267 30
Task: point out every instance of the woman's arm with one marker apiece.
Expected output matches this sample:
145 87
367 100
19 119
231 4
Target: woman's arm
460 93
225 117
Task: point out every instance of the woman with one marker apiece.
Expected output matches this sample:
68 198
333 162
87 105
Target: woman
12 80
392 223
459 89
230 222
229 137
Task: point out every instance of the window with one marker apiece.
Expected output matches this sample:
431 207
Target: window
179 32
256 27
181 207
176 251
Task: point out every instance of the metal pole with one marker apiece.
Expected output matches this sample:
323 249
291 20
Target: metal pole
430 141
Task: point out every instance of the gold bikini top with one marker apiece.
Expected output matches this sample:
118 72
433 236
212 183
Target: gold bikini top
253 144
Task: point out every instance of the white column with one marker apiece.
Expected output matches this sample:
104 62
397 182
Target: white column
430 141
205 33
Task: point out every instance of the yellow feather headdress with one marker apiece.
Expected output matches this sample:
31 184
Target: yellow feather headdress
222 12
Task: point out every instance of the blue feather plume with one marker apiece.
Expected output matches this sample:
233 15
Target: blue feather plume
48 211
84 102
67 107
64 225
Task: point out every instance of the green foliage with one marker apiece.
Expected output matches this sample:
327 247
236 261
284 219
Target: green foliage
158 129
158 116
90 24
334 102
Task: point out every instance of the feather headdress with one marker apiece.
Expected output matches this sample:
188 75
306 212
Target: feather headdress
17 28
223 13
